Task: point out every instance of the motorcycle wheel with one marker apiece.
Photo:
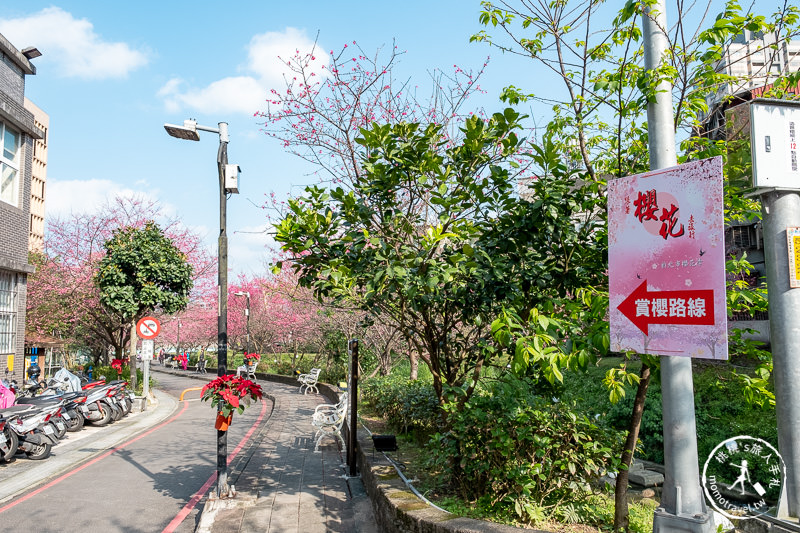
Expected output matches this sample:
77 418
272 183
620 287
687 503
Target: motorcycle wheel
13 444
76 422
116 413
40 451
106 410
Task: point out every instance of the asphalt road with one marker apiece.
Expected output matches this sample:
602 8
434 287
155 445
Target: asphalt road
149 483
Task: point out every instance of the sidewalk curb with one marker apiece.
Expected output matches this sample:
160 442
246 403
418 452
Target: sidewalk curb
70 455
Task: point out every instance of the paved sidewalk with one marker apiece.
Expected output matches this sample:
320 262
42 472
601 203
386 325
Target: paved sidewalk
283 486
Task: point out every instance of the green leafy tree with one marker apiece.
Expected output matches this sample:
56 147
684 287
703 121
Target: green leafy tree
401 241
142 271
600 116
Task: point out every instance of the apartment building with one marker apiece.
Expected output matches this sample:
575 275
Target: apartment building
18 131
38 178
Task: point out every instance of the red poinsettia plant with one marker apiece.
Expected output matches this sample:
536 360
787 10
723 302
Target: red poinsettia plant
231 392
116 364
250 358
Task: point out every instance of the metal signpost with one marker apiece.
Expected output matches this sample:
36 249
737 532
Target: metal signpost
148 329
352 390
672 265
774 126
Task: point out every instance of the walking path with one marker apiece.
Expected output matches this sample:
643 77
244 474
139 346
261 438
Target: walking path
282 485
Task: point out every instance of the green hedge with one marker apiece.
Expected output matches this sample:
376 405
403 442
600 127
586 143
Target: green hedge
521 457
408 406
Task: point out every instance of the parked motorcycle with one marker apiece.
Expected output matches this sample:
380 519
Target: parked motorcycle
29 425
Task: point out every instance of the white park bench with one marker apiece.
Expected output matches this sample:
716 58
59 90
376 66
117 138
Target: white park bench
249 369
309 381
329 419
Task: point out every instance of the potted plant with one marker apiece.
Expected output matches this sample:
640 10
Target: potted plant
252 359
228 393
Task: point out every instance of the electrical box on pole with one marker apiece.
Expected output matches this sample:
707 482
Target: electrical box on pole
774 126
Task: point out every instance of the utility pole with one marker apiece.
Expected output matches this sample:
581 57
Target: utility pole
773 129
228 183
682 503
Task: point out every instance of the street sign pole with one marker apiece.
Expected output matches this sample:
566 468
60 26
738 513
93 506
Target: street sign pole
148 329
781 209
148 346
682 504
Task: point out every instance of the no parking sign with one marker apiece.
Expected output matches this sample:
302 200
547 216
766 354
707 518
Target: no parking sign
148 328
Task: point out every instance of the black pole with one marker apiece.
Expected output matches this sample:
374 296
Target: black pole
353 394
222 316
247 324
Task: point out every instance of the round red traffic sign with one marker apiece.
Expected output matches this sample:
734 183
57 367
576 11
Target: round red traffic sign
148 328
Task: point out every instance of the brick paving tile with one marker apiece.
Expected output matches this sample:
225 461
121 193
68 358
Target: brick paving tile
298 490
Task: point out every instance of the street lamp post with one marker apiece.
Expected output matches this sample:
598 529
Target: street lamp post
247 317
228 182
178 345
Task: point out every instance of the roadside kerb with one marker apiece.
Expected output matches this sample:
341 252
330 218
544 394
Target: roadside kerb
22 476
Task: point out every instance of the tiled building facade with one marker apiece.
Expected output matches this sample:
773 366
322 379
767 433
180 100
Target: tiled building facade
17 134
38 178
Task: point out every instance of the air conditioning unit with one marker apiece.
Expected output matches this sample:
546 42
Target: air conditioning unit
232 173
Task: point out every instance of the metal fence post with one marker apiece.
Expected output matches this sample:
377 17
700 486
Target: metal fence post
352 390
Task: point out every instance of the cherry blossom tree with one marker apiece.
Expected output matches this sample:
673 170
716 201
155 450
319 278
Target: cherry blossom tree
63 300
330 97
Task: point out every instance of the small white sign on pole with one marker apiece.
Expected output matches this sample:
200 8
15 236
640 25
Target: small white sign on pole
147 349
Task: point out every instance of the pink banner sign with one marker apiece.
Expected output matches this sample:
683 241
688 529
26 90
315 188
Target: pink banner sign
666 262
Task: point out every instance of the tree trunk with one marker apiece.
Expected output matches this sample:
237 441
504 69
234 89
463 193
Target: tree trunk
132 362
414 361
621 490
386 361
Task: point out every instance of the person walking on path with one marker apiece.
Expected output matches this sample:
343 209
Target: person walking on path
185 361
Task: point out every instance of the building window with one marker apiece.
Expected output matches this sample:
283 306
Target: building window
742 238
9 165
8 312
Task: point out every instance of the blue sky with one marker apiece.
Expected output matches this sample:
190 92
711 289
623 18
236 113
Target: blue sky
112 73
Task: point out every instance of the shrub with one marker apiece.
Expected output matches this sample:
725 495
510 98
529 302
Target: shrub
720 409
516 454
111 374
408 406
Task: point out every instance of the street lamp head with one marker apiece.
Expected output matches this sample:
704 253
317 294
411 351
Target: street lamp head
188 131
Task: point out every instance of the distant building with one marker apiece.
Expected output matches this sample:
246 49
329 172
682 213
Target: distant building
755 61
755 65
38 178
18 131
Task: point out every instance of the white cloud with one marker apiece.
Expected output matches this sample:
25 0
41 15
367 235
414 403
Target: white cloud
266 69
85 196
71 45
241 94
